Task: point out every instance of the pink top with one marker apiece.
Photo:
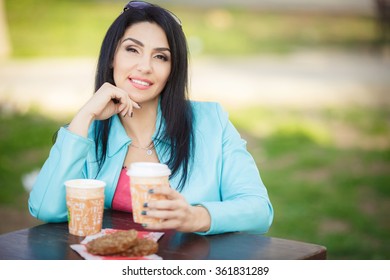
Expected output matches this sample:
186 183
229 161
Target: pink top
122 196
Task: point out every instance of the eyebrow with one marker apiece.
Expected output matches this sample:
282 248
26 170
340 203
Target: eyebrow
142 45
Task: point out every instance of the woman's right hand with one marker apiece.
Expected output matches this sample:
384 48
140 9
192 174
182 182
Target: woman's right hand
106 102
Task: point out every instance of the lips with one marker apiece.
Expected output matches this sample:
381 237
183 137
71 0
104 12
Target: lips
140 83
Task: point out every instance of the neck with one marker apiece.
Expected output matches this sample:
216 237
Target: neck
140 128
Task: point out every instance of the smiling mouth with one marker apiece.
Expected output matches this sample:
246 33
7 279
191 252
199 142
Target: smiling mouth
141 83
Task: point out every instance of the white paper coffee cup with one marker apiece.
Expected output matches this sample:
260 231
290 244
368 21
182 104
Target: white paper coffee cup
145 176
85 203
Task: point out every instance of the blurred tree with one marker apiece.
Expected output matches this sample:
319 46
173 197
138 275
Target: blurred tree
383 12
5 46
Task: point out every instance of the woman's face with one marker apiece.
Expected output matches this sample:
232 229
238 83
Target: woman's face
142 62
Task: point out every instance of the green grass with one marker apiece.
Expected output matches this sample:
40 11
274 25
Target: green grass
76 28
58 28
324 189
25 141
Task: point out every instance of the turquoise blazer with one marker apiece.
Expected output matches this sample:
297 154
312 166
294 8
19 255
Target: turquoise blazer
224 177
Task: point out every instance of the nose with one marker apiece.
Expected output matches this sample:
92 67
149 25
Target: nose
144 64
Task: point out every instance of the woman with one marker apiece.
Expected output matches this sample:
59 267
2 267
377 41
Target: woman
140 112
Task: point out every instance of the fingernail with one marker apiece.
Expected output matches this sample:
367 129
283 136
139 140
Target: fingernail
145 205
139 106
150 191
143 212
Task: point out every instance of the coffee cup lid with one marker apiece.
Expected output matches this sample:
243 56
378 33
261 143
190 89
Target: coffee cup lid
148 169
85 183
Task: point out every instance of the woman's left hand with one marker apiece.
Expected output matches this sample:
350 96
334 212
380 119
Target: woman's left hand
176 213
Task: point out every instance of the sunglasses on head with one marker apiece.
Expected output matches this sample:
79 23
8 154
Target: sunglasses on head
141 5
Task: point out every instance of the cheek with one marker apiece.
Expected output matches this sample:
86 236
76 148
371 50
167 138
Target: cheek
118 72
164 74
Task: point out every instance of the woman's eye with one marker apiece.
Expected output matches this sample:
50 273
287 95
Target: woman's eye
131 49
162 57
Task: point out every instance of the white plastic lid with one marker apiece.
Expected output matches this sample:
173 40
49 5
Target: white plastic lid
148 169
85 183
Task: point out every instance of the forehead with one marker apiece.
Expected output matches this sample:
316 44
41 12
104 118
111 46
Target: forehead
149 33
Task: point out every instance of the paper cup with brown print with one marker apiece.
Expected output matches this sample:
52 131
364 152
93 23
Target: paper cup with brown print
145 176
85 203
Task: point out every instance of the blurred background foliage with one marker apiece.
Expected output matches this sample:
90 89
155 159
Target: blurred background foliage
76 28
326 169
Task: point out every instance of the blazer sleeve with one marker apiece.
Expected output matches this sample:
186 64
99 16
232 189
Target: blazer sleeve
67 160
244 205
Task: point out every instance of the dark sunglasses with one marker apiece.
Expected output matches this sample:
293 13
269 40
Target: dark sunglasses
141 5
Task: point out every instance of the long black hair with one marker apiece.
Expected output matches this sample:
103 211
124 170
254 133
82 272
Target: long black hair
175 107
